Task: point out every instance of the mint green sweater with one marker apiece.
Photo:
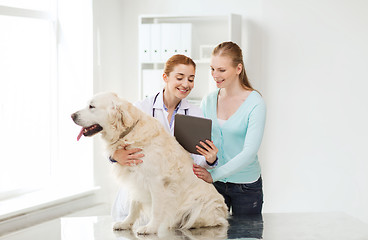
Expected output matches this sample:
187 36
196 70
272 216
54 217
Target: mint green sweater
238 139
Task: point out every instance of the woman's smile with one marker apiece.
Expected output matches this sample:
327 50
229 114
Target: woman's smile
184 91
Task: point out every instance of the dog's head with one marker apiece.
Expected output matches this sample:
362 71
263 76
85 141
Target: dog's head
105 113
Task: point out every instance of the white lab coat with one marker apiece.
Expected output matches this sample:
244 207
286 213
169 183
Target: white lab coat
120 208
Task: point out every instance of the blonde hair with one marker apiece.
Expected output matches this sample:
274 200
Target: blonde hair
176 60
234 52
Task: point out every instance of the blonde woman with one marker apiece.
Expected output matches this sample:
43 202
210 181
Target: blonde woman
238 115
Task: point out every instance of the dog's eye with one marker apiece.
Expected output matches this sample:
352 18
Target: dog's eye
90 106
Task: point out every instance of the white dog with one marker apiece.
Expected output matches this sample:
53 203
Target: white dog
164 185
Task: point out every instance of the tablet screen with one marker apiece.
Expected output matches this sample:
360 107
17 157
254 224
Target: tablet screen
189 130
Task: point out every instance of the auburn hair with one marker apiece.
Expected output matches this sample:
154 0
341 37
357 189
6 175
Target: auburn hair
176 60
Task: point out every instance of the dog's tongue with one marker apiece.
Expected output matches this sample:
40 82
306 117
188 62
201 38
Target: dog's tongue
80 134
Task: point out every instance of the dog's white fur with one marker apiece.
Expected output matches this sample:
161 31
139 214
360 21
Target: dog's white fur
164 185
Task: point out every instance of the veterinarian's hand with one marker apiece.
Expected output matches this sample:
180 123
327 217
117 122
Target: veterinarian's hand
128 157
202 173
209 150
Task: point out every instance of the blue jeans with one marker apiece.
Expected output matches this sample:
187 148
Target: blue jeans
242 199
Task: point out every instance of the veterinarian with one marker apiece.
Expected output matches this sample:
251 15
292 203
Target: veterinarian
238 115
179 74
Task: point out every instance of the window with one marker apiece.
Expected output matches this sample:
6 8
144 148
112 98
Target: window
43 79
42 5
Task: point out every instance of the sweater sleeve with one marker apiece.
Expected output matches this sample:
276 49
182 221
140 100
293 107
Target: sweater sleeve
251 145
201 161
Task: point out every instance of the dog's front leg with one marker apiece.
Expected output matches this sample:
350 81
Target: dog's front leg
134 212
158 214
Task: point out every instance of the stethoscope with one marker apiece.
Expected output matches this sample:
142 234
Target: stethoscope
154 101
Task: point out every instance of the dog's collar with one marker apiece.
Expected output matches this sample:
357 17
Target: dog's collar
126 132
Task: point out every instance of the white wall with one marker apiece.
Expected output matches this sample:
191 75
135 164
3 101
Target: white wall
315 61
308 59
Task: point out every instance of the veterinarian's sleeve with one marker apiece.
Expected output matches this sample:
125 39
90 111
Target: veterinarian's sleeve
251 145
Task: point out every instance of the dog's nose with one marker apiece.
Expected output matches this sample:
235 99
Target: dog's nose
74 116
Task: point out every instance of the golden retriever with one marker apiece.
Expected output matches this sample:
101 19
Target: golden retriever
164 185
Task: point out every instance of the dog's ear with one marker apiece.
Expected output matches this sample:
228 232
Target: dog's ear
120 115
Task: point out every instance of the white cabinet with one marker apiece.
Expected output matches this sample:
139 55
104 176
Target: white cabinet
161 36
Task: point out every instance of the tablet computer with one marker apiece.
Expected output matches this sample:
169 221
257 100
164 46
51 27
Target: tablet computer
189 130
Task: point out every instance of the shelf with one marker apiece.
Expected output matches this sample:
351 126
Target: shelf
195 60
203 39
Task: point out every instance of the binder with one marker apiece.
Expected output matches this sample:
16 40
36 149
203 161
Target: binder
156 43
170 39
145 43
186 39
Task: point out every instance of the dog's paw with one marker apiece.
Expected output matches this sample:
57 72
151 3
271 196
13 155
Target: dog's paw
122 226
146 230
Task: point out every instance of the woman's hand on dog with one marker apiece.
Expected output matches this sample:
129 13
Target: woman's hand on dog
128 157
208 150
202 173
